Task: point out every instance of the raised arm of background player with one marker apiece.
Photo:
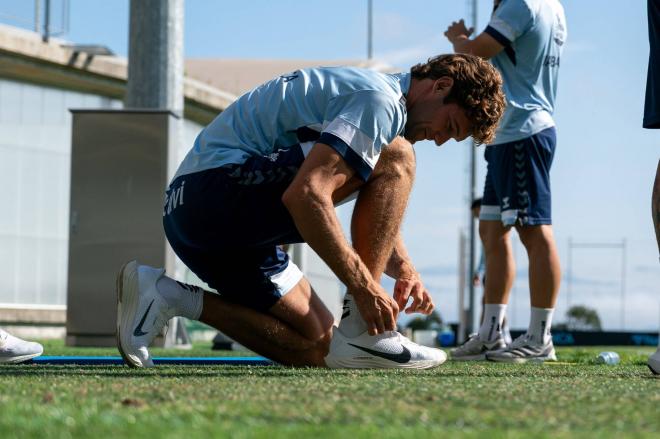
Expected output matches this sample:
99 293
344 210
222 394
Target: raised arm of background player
408 282
324 179
483 45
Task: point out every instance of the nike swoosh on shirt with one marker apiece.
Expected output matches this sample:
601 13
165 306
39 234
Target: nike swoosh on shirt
138 329
402 357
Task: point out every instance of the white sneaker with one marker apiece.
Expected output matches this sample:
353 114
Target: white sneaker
522 350
141 312
15 350
383 351
654 362
475 349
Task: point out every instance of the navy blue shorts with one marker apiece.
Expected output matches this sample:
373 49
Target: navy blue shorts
517 189
226 224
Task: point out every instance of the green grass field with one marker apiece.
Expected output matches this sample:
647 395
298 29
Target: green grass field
574 398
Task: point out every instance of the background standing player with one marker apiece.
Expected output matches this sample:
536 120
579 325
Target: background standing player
524 41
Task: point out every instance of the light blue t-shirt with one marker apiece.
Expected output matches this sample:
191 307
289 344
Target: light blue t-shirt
533 33
355 111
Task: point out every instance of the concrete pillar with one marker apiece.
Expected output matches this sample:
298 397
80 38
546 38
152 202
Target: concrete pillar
155 74
155 55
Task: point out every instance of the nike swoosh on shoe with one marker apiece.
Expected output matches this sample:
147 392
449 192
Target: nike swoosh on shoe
402 357
138 329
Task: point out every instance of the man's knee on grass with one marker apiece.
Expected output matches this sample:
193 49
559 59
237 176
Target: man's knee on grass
314 354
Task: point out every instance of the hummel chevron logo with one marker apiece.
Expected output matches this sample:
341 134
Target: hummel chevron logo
138 329
402 357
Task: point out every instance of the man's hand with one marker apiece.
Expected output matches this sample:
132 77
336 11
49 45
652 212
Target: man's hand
457 31
475 280
483 45
377 309
411 286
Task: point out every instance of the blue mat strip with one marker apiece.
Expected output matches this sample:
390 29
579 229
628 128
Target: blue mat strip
192 361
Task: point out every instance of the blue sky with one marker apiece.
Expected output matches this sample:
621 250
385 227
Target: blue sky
604 164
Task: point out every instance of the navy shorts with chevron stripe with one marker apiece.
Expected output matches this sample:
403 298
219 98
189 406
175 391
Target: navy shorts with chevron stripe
517 188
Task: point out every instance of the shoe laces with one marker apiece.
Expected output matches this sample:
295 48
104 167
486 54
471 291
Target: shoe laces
396 335
3 336
471 341
520 341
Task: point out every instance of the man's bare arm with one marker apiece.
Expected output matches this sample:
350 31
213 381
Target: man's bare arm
399 262
483 45
309 200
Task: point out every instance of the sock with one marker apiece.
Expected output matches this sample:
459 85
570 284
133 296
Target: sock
351 324
492 325
539 324
186 299
506 333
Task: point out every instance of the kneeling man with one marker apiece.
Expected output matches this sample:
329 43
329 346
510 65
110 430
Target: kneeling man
269 171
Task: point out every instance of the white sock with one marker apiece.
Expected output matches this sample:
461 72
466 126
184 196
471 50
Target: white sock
540 323
492 325
352 324
506 333
186 299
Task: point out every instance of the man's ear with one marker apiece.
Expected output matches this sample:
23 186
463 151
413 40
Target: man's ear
443 85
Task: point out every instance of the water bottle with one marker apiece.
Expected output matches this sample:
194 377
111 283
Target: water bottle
610 358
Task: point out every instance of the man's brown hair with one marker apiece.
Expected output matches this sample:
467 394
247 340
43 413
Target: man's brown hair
477 89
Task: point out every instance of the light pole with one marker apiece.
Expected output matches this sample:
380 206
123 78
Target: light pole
370 19
473 194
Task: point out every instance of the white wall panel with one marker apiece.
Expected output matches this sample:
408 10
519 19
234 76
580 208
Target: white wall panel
35 150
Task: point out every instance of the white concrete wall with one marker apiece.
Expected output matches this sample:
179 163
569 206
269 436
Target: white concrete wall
35 163
35 155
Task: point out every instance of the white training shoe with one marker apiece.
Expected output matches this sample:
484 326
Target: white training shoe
475 349
654 362
15 350
141 312
383 351
523 350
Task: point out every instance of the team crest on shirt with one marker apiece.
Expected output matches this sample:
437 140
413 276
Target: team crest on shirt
559 31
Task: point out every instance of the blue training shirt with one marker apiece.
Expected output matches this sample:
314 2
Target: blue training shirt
355 111
533 33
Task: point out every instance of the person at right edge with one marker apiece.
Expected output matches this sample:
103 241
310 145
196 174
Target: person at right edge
652 121
524 41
